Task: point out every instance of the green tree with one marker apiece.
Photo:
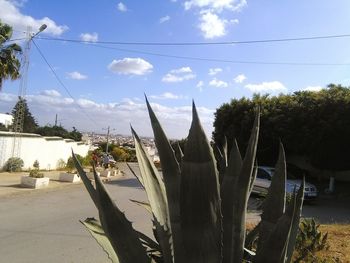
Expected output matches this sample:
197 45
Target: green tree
52 131
120 155
59 131
3 127
75 135
29 124
9 52
315 125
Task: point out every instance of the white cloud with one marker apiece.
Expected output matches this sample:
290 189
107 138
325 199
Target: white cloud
273 86
167 95
217 5
218 83
76 75
179 75
136 66
312 88
121 7
174 120
212 25
89 37
10 13
50 93
214 71
164 19
200 85
240 78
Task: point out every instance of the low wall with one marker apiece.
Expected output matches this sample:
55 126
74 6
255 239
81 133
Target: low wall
47 150
302 162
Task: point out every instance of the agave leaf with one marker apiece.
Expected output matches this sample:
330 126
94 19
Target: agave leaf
242 191
274 249
199 189
171 175
251 237
296 220
166 242
145 205
88 185
178 152
137 176
274 204
252 180
156 195
153 183
124 239
227 194
96 231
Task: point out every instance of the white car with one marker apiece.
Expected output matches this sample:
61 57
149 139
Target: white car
263 181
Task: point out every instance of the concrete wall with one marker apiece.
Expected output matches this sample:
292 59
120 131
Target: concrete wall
302 162
47 150
6 119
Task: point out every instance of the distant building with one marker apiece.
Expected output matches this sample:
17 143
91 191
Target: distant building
6 119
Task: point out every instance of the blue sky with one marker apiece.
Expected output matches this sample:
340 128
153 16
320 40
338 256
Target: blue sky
107 83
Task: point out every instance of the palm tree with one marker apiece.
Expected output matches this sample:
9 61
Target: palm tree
9 63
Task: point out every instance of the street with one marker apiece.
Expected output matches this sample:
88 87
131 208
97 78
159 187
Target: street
43 226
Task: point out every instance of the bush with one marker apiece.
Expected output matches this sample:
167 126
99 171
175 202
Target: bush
70 164
36 164
13 164
309 240
61 164
35 173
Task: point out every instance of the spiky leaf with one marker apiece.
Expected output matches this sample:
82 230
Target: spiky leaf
227 194
242 192
274 204
118 229
145 205
171 175
296 220
200 206
274 249
156 195
96 231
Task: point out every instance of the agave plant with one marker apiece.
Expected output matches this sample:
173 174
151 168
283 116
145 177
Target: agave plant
199 211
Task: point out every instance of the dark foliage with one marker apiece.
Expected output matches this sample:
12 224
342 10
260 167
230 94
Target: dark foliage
312 124
59 131
29 125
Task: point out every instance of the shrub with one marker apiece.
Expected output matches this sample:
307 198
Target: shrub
309 240
70 163
61 164
36 164
13 164
35 173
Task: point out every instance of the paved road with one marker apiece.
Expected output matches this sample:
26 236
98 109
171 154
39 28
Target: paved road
43 226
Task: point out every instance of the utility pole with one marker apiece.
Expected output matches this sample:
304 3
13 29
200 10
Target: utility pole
18 119
108 130
56 120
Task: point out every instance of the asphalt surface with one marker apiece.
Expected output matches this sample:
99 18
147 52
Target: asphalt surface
43 225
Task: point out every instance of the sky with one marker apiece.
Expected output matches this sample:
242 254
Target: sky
103 84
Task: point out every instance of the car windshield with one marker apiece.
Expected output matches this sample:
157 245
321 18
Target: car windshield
290 176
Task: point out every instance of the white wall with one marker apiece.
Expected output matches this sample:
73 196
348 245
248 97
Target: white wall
6 119
47 150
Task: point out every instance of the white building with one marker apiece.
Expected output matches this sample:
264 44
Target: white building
6 119
49 151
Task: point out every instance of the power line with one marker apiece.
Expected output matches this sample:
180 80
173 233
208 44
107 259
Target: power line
60 81
141 43
220 60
